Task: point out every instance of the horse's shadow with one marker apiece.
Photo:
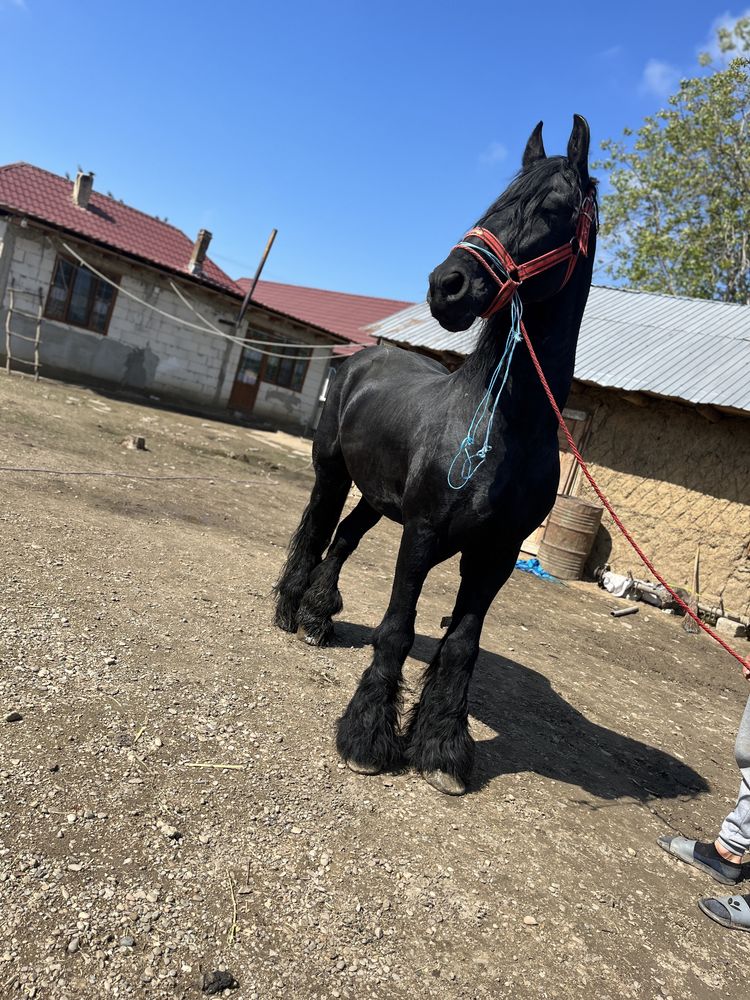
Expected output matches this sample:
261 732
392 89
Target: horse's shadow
539 731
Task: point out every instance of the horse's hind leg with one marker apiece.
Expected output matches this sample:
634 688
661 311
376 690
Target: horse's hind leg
437 739
322 600
308 543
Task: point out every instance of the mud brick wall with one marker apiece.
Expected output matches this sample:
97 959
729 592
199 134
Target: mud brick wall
676 479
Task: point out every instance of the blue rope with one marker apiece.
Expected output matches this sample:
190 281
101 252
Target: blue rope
485 412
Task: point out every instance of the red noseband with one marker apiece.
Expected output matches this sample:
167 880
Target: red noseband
516 274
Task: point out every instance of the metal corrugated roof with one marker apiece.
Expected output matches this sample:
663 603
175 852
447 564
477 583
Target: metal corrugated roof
691 349
416 327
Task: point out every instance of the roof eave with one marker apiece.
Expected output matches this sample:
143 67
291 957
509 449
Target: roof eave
694 403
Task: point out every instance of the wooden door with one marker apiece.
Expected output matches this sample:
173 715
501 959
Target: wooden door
246 381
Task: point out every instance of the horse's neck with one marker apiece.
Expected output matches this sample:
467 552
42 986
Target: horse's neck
553 328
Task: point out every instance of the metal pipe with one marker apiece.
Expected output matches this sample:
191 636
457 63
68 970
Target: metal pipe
621 612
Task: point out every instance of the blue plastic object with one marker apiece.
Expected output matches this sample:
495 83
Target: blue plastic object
534 566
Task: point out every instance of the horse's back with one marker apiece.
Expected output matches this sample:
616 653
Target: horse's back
374 420
385 359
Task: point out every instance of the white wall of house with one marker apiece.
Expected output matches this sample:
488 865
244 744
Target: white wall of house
141 348
278 405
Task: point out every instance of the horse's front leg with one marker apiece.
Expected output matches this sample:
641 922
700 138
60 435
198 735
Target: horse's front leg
437 741
368 735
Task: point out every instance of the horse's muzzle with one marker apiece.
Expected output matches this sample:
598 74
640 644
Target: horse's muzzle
449 298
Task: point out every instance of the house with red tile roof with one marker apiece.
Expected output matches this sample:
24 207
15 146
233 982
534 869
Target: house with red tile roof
117 296
340 312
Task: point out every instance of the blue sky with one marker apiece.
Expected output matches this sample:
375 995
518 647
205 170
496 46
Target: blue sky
370 134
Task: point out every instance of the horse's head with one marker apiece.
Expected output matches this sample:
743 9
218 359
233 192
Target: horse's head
540 212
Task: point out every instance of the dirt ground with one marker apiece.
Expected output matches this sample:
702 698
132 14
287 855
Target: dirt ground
136 643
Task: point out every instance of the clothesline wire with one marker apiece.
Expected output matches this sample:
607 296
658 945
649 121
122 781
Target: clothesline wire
209 329
128 475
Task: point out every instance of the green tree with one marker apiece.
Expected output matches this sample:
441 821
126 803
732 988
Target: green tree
735 38
677 217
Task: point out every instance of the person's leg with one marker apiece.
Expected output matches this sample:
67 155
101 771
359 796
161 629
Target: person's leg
733 841
734 836
722 859
703 856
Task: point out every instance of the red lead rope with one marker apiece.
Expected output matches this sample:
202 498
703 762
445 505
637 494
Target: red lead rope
641 555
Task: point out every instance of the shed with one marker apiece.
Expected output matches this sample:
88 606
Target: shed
660 404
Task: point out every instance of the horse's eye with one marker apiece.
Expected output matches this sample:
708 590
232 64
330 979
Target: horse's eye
554 202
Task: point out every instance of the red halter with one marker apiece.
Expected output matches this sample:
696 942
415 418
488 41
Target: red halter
518 273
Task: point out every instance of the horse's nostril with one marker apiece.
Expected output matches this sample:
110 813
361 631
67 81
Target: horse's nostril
453 284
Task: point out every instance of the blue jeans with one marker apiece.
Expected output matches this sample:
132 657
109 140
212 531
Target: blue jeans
735 830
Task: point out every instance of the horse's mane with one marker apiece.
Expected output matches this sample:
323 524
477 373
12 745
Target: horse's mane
528 189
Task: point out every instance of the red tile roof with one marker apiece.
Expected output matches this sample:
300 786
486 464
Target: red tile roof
339 312
30 191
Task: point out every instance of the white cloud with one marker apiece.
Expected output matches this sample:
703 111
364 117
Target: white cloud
659 78
613 52
711 45
496 152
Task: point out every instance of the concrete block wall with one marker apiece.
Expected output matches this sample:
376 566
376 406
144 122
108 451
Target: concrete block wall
142 349
297 409
284 407
6 257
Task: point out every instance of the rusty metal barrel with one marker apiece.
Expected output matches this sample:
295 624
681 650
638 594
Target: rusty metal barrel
569 537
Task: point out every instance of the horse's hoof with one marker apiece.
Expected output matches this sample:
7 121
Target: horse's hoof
363 768
309 640
319 639
445 782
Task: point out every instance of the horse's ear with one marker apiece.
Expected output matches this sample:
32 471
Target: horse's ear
534 148
578 146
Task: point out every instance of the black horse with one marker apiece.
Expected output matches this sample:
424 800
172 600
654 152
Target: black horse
393 423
